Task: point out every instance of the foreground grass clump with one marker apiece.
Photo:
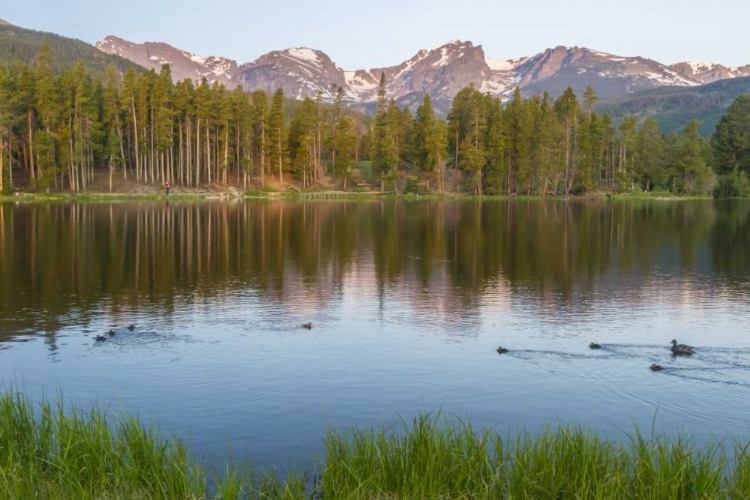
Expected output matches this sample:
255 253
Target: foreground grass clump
430 460
51 452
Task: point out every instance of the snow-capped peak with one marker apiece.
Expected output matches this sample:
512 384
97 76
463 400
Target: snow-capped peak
702 67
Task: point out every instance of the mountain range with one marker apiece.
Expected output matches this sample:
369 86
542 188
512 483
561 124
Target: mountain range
673 95
441 72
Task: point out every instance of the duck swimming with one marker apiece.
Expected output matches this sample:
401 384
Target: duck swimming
111 333
307 326
594 346
656 368
681 349
131 327
100 338
502 350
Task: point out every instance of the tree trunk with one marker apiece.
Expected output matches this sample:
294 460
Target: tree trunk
10 160
208 157
281 160
135 136
198 154
226 153
2 157
31 145
262 155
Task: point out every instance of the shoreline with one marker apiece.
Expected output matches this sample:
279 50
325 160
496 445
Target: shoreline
330 195
52 450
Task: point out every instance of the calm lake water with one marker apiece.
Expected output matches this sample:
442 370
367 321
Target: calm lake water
409 301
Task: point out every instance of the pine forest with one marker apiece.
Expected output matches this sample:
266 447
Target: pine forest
61 130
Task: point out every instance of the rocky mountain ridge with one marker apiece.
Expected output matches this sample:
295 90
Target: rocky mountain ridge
440 72
710 72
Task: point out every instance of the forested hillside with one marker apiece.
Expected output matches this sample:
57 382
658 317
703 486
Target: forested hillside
22 45
60 131
674 107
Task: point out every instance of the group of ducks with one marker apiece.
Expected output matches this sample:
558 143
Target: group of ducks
111 333
677 350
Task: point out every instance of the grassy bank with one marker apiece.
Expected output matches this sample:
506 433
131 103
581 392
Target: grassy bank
49 451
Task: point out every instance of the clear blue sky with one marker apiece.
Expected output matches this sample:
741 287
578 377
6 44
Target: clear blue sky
362 34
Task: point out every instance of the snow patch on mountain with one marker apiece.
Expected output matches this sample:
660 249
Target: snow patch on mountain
303 54
496 65
360 81
669 77
444 58
700 67
196 59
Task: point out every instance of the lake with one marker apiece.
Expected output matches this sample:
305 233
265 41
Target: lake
408 300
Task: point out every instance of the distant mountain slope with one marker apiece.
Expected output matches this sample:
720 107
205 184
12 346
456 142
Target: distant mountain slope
22 45
675 107
709 72
556 69
183 64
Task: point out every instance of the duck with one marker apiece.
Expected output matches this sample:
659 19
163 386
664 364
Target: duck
594 346
681 349
100 338
656 368
502 350
307 326
131 327
111 333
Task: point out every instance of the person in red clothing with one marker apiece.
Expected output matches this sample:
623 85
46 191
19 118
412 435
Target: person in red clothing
166 186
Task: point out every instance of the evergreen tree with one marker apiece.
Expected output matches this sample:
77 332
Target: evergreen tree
496 165
589 99
5 117
731 141
648 163
336 116
549 153
568 109
260 134
303 140
345 148
277 150
385 153
47 101
693 174
629 134
437 145
113 147
424 128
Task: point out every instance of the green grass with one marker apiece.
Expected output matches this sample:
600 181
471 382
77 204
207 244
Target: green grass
429 460
49 451
54 452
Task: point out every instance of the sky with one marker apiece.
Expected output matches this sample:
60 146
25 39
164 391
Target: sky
366 34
